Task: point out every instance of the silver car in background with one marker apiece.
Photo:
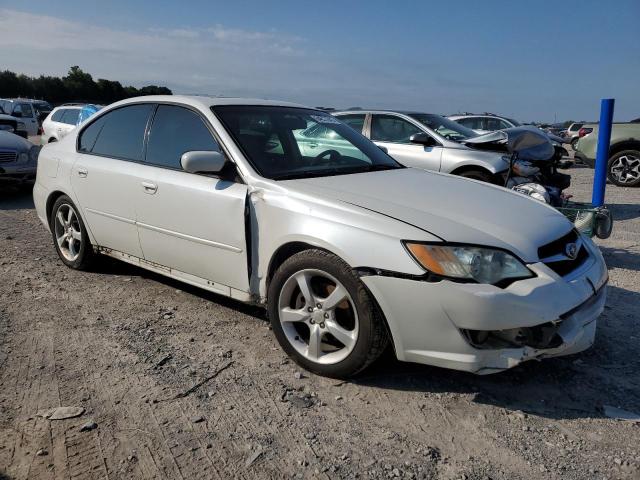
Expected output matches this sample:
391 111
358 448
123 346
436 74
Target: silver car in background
426 141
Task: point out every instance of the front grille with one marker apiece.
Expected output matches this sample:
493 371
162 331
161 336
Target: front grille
554 255
6 157
557 246
565 267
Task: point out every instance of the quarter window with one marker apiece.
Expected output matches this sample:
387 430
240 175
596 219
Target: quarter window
70 116
118 134
57 116
354 121
176 130
389 128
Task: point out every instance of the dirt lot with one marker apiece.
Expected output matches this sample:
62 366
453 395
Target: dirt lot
185 384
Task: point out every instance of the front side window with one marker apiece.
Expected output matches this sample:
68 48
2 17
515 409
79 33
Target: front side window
174 131
389 128
118 134
70 116
285 142
444 127
26 109
354 121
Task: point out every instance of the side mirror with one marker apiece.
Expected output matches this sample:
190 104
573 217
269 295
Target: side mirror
384 149
203 161
422 139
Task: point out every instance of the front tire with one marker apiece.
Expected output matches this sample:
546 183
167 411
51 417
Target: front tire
323 316
70 237
623 168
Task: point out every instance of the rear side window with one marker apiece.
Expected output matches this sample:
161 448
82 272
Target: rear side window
26 109
176 130
70 116
354 121
118 134
57 116
474 123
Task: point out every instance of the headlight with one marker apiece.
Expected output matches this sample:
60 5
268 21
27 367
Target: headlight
469 263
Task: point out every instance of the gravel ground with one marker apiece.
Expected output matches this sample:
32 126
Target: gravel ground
185 384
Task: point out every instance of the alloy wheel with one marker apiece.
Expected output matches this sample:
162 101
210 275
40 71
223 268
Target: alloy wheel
318 316
626 169
68 232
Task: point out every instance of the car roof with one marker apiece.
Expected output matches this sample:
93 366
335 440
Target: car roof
381 110
206 102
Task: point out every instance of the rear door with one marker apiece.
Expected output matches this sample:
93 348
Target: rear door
108 173
393 132
189 222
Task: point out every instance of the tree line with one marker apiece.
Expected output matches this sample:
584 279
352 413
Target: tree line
76 86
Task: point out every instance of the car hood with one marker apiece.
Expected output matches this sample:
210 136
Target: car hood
450 207
11 141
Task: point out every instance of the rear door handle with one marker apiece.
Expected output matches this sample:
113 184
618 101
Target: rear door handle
149 187
82 172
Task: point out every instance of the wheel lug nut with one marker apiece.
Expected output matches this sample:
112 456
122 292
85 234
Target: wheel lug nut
326 315
310 309
312 321
321 324
318 305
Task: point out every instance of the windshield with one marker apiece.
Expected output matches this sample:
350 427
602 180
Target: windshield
284 142
444 127
515 123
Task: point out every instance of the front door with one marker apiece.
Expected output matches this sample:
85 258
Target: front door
393 133
188 222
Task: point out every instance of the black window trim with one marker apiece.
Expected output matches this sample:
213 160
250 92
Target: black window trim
152 114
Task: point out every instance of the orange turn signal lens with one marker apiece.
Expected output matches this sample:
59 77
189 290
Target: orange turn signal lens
431 258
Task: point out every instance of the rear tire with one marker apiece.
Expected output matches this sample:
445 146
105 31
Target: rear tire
623 168
574 143
477 174
70 237
331 335
52 140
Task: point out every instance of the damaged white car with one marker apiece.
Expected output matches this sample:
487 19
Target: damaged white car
348 250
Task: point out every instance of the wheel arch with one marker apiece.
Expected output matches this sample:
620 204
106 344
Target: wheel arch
470 167
287 250
51 200
630 144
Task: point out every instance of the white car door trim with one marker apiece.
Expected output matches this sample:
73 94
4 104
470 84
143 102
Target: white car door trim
184 236
111 215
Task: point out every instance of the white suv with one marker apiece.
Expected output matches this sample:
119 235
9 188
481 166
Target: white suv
59 122
484 123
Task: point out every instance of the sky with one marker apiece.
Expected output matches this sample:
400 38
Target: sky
534 61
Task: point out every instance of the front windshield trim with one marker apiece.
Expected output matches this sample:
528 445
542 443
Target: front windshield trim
376 159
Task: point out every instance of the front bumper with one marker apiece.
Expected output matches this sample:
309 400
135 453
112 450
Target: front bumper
17 173
426 319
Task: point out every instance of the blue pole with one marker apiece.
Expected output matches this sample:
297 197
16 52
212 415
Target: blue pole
602 154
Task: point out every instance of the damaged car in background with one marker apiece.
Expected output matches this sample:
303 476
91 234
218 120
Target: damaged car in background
348 250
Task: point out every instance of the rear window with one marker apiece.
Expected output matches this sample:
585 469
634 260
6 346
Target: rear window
57 115
117 134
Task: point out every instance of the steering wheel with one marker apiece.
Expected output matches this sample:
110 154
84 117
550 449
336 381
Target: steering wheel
334 156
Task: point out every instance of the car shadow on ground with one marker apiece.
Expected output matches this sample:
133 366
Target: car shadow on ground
111 266
624 211
621 258
570 387
16 197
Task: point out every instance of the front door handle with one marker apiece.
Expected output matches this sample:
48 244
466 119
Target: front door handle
82 172
149 187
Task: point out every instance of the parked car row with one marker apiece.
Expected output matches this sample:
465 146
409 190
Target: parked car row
28 112
348 249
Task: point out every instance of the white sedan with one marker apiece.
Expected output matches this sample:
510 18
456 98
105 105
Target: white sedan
348 250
